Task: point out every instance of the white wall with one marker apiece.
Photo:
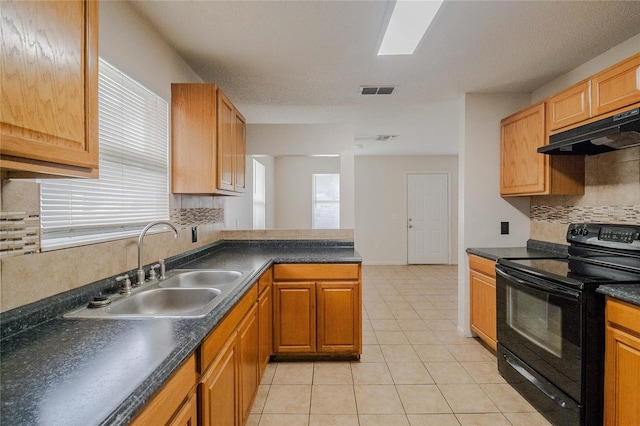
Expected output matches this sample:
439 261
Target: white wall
481 207
381 205
293 188
278 140
130 43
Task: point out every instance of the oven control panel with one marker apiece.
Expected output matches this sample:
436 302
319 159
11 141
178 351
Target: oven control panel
620 236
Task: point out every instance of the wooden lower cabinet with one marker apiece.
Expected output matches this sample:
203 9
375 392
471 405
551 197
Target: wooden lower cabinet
482 292
294 319
248 379
622 364
338 310
265 322
219 388
231 362
317 310
174 403
188 414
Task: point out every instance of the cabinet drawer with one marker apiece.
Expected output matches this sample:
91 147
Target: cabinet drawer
482 265
169 399
316 271
624 315
212 344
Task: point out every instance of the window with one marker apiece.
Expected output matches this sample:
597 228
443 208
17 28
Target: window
259 195
133 188
326 201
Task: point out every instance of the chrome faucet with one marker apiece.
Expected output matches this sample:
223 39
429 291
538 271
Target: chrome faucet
140 271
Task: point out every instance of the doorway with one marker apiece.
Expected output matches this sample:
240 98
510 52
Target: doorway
428 218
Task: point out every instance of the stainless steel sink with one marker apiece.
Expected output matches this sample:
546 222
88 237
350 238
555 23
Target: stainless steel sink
166 302
187 293
201 278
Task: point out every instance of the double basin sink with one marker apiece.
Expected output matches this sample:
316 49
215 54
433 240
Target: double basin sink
183 294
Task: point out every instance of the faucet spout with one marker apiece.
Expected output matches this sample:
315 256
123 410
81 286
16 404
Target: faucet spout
140 271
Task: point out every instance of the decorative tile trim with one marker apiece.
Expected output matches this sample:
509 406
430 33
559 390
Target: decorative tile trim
186 218
19 233
579 214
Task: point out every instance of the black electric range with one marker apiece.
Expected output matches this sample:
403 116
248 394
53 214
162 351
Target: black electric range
550 320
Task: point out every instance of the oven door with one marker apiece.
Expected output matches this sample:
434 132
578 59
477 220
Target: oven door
539 321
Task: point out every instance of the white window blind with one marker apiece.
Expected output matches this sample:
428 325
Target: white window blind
326 201
133 187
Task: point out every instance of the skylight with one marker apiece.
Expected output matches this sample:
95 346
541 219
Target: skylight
409 21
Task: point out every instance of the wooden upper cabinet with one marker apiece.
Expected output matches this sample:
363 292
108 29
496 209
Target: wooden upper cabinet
49 88
193 139
241 153
569 106
524 171
205 137
616 87
226 143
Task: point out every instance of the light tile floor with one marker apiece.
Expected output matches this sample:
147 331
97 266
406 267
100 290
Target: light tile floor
415 369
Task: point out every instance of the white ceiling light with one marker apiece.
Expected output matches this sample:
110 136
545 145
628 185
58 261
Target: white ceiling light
409 21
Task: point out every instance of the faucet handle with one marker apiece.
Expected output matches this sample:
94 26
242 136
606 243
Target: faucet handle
163 269
126 285
152 272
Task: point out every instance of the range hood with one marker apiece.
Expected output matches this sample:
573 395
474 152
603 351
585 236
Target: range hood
616 132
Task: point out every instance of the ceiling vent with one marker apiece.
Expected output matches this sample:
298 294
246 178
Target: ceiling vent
386 138
375 90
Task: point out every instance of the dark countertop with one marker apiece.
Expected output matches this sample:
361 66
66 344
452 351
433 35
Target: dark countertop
626 292
533 250
90 371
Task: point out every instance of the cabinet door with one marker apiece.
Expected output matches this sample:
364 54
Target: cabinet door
49 81
483 307
240 153
571 106
265 323
294 317
219 388
188 414
616 87
226 143
248 365
193 139
339 318
622 365
522 169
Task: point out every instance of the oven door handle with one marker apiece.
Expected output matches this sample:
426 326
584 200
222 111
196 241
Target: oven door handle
547 288
562 401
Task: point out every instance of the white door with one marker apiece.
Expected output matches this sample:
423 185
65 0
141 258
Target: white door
428 218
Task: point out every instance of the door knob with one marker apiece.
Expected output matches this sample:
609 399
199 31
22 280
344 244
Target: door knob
410 226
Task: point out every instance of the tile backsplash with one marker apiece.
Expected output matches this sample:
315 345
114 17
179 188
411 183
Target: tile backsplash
612 195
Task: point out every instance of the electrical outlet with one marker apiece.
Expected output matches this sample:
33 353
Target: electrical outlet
504 228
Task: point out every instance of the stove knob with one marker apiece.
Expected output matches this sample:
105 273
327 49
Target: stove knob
585 232
574 231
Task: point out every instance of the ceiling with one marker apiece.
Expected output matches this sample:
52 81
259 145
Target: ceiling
304 61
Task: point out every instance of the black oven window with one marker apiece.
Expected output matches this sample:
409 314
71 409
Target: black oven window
536 319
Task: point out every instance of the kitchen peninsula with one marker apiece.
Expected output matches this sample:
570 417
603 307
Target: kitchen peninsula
79 371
